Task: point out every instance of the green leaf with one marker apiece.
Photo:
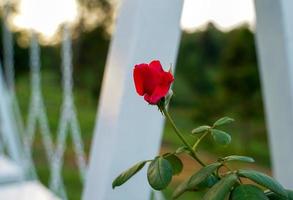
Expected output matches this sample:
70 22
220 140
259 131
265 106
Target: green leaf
159 173
200 129
127 174
208 182
196 179
202 174
222 121
176 163
245 192
238 158
264 180
273 196
221 137
221 189
183 187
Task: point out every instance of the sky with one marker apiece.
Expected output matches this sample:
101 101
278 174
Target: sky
226 14
46 15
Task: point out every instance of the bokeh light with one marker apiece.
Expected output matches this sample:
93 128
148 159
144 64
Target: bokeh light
45 16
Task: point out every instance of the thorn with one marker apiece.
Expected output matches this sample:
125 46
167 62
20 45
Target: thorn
171 67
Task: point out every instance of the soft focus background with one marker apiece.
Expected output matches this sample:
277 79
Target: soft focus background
216 74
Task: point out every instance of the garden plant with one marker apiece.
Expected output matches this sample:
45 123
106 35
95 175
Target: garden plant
217 180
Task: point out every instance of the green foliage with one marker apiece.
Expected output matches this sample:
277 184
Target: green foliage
222 121
208 182
216 184
177 165
183 187
126 175
221 137
221 189
237 158
245 192
201 129
193 182
264 180
159 173
273 196
203 175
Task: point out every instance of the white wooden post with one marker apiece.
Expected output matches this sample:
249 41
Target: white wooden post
128 129
275 49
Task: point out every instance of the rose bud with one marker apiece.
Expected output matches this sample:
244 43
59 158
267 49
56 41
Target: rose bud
151 81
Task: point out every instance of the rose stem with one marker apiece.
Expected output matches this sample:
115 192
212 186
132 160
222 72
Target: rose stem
180 135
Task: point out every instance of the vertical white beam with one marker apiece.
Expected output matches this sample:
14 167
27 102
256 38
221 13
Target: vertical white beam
275 49
129 130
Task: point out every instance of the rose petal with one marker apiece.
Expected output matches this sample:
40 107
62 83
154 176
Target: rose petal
157 95
151 81
152 78
139 76
156 66
167 78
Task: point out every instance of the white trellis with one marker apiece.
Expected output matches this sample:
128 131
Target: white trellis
9 138
37 115
37 112
9 133
8 48
68 121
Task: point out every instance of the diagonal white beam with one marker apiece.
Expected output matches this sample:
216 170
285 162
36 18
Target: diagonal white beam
275 50
129 130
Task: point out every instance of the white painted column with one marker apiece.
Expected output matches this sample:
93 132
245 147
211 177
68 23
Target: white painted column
275 50
128 129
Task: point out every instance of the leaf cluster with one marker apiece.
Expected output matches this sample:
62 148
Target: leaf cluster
217 184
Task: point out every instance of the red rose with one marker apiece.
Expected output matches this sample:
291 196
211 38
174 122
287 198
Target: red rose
151 81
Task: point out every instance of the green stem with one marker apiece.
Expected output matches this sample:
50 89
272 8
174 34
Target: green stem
180 135
199 140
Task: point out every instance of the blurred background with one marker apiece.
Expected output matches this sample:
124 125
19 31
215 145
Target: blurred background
216 74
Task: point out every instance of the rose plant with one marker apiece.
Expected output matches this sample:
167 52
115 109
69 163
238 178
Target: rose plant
217 180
